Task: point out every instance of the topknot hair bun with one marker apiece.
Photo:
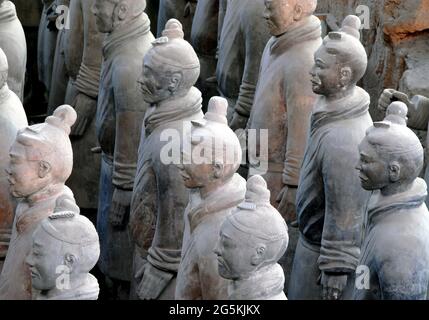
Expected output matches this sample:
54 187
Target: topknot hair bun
173 30
351 25
257 190
64 118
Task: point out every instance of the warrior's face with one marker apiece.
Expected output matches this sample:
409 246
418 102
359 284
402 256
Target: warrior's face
198 168
104 11
280 15
157 83
373 168
326 73
26 177
46 261
196 175
238 256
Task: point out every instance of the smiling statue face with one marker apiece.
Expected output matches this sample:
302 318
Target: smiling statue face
279 15
325 73
25 177
234 254
373 169
44 259
104 11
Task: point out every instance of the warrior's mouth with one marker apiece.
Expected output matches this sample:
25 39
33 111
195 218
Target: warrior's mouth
185 176
316 82
363 178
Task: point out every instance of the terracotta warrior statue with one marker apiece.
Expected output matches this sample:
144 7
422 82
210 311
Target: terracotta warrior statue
41 160
204 39
330 203
396 243
12 119
182 10
12 42
283 105
65 247
119 119
83 57
242 41
418 113
215 191
171 69
251 241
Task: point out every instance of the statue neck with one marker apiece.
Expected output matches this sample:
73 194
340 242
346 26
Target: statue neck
77 282
211 188
45 193
396 188
263 284
334 97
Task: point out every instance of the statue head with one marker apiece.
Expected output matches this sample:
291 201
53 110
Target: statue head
4 69
214 153
110 14
281 15
341 60
171 67
252 237
42 155
390 154
65 244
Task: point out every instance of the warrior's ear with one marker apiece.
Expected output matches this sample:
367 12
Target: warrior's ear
218 170
394 171
346 75
175 81
123 10
298 12
69 260
44 169
259 256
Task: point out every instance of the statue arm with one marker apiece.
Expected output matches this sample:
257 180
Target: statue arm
256 37
88 78
130 110
221 18
73 53
402 276
418 113
299 105
346 203
144 207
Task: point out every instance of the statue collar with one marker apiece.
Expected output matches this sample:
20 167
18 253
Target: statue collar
7 12
350 107
380 205
174 109
310 29
138 27
228 196
265 284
